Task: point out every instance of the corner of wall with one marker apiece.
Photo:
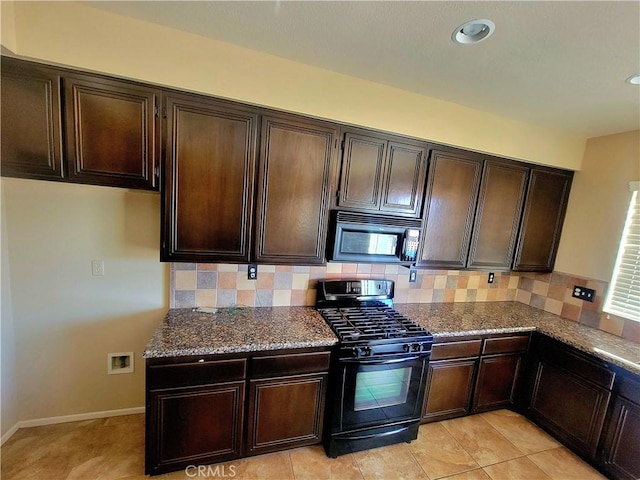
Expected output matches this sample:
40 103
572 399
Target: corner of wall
9 414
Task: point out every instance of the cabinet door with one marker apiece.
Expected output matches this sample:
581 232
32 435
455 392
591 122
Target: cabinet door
111 133
622 440
31 135
452 191
194 426
497 215
209 172
404 179
285 412
449 389
542 220
363 161
296 170
497 377
569 406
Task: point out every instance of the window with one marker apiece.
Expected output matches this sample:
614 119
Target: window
623 298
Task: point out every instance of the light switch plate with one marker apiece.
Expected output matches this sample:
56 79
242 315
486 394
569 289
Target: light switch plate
97 268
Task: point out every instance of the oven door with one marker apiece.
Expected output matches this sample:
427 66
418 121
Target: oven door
379 391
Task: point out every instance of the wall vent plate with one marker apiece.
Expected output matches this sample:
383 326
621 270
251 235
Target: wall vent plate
121 362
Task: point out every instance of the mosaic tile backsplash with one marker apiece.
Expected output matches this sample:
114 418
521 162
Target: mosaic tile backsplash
224 285
552 292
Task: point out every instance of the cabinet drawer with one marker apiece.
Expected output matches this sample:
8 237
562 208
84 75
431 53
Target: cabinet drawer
629 388
196 373
468 348
506 344
576 363
289 364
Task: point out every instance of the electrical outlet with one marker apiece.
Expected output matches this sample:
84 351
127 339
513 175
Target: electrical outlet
252 272
491 277
413 276
584 293
97 268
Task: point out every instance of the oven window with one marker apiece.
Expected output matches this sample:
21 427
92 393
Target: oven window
370 243
382 388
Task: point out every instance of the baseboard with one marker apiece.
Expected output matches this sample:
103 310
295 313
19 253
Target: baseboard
8 435
38 422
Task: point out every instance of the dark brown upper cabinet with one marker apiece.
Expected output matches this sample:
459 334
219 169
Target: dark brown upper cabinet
296 174
209 180
109 126
111 132
498 214
542 220
382 173
452 191
31 132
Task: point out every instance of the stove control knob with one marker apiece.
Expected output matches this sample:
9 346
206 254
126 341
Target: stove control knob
406 348
415 347
355 352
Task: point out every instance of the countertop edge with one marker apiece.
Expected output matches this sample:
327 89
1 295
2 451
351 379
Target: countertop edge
256 347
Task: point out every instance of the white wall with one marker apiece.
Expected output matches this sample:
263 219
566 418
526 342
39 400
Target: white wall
8 382
81 36
598 206
66 320
7 25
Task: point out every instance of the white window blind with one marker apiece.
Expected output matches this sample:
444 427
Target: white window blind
623 298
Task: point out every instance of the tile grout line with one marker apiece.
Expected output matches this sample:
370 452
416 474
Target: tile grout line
416 460
461 446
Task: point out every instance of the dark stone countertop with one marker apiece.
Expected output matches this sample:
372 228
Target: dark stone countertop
186 332
481 318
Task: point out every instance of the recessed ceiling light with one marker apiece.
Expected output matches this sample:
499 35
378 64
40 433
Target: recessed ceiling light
634 79
473 32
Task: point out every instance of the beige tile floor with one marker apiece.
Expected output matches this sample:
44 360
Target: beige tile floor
499 445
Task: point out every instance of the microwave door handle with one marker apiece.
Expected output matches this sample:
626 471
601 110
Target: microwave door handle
405 239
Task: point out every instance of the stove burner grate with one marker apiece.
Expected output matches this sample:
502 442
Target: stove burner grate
369 323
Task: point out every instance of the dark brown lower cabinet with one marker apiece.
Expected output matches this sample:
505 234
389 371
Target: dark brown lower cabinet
196 426
619 452
496 382
449 388
285 412
199 411
569 394
569 406
472 376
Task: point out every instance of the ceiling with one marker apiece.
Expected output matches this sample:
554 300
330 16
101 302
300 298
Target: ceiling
558 64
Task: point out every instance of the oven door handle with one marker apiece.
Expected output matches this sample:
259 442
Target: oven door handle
374 435
379 362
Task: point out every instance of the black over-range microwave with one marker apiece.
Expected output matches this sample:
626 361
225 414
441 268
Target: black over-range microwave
367 238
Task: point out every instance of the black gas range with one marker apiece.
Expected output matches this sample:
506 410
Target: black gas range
378 373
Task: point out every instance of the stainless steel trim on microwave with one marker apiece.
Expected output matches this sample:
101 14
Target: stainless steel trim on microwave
370 219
